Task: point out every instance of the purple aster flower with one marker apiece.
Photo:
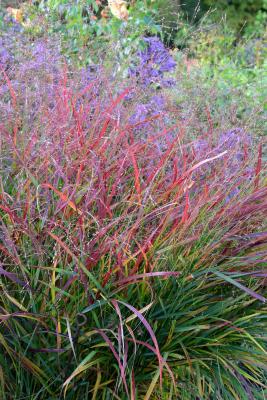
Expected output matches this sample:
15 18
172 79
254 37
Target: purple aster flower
157 102
235 141
5 57
90 73
234 137
168 82
140 114
201 147
153 62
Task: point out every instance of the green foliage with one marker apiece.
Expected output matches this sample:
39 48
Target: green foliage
246 17
228 63
224 87
87 35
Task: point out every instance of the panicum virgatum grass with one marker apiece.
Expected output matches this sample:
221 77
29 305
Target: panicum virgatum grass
132 244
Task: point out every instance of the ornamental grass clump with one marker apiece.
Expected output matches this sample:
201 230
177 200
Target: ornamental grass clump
132 256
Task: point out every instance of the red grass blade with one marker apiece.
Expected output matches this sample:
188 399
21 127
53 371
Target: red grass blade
63 197
136 176
153 349
150 331
121 367
258 167
11 276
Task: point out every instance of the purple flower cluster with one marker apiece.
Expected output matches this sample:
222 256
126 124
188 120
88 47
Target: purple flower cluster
234 164
6 57
153 62
233 140
41 57
236 142
234 137
152 108
90 73
17 49
33 68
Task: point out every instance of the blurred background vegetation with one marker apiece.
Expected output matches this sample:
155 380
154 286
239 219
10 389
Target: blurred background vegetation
207 28
222 43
